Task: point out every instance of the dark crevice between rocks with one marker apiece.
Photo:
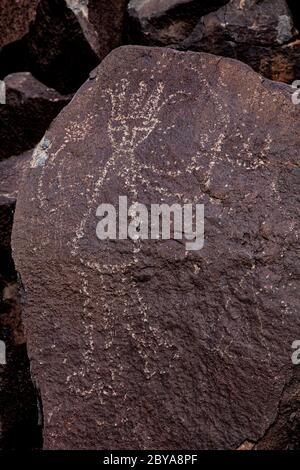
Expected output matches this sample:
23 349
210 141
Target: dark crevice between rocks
294 6
20 425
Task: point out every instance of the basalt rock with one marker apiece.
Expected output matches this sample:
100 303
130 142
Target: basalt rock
29 109
19 419
66 41
141 344
152 22
284 433
11 172
15 19
107 20
260 33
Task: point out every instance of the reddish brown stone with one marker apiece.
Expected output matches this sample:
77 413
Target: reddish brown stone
29 109
19 421
66 41
142 345
153 22
260 33
12 171
107 19
284 433
15 19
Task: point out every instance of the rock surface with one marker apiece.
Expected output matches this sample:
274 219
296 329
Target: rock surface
161 23
15 19
140 344
107 20
284 434
260 33
19 426
66 41
11 171
30 107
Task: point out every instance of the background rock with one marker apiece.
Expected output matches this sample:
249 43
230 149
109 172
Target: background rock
142 344
11 171
260 33
161 23
284 434
66 41
29 109
295 9
19 421
15 19
107 19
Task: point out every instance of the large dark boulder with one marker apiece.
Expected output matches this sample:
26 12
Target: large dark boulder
260 33
162 23
142 344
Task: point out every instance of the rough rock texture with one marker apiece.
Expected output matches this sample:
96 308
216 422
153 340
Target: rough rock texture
29 109
161 23
19 427
107 20
11 172
66 41
142 344
15 19
284 434
260 33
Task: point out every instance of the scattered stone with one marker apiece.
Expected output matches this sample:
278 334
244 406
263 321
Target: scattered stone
30 107
107 20
15 19
259 33
19 426
12 171
58 53
152 22
66 41
140 344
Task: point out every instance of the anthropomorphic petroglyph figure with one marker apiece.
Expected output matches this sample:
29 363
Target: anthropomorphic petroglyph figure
133 119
